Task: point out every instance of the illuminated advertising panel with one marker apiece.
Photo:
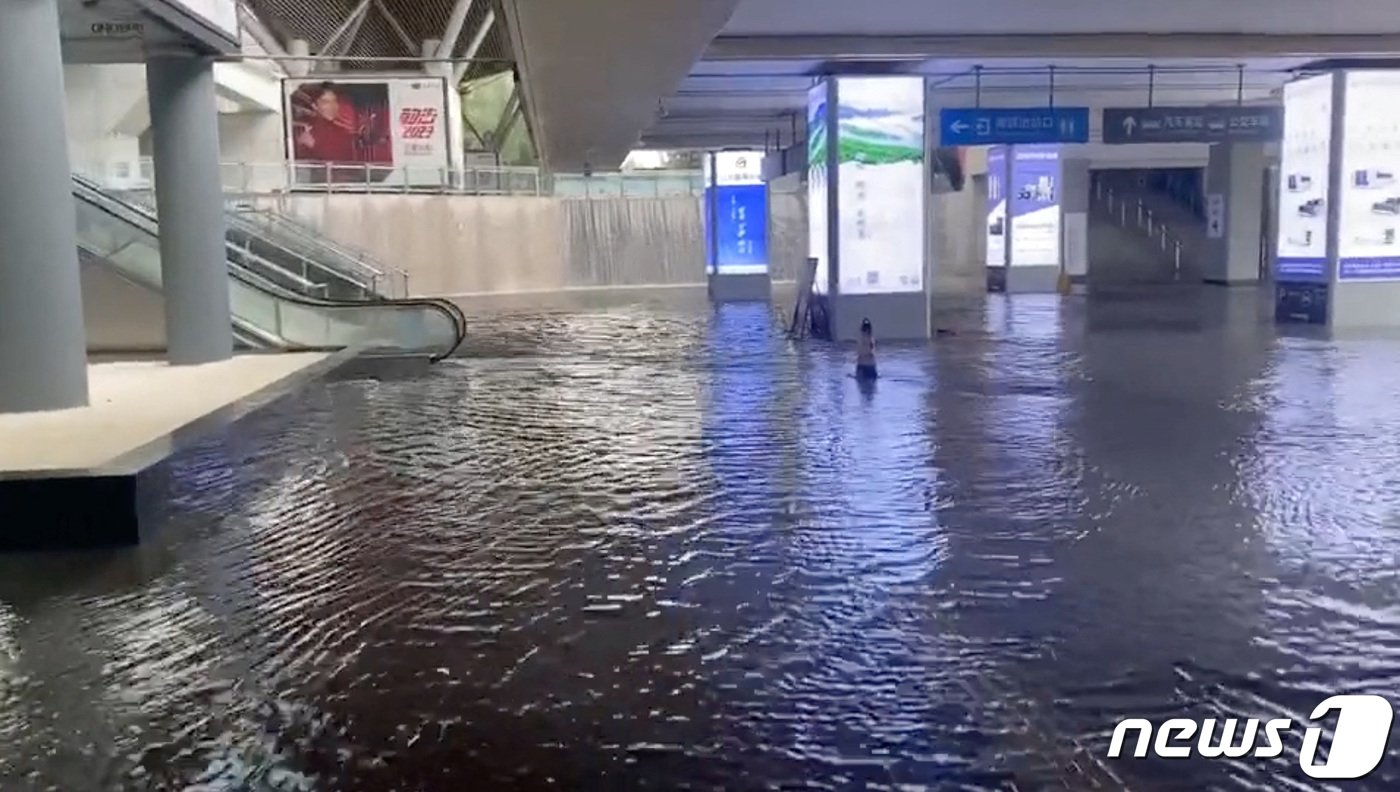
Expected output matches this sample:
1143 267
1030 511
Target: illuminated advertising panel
370 131
817 240
740 213
1367 247
880 145
1303 169
996 207
1035 206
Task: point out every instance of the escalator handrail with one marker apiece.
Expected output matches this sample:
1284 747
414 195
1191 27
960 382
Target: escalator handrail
290 227
153 216
149 226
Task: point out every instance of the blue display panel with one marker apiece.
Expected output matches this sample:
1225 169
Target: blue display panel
880 182
742 228
1035 206
737 202
1303 177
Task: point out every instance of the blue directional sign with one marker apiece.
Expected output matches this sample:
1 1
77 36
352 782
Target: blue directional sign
981 126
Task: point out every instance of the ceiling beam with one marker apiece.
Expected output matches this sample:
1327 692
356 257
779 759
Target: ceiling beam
459 71
453 29
1071 45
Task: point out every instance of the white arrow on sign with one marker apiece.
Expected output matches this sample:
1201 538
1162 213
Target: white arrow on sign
1129 124
958 126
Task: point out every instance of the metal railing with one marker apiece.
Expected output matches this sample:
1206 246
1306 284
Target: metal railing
277 178
1129 212
379 279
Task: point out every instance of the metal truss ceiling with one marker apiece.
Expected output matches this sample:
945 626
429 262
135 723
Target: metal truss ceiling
376 36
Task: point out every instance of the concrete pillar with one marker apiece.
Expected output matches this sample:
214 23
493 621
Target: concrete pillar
194 266
43 346
1234 213
1074 217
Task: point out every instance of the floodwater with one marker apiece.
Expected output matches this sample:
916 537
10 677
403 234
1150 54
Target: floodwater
666 548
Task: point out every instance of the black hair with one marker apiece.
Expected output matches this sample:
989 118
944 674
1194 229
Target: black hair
865 326
324 88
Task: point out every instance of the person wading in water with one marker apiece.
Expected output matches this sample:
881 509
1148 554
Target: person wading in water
865 352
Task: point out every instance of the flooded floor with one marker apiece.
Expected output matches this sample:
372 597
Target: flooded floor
666 548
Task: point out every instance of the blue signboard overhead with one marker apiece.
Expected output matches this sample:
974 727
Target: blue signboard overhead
981 126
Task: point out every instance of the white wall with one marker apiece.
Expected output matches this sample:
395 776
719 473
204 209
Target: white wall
466 244
107 114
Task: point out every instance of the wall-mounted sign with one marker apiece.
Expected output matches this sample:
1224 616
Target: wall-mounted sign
1215 216
118 29
1203 124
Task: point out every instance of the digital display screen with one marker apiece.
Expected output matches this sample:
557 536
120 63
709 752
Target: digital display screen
1303 168
1034 198
817 240
996 207
739 243
880 145
1367 247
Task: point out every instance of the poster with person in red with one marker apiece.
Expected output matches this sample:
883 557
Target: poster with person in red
340 132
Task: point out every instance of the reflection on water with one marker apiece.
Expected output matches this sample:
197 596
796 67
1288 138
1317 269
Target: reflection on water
668 548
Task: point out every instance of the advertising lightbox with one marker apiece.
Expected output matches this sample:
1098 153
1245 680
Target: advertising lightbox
996 207
1367 247
1035 206
739 212
368 130
880 145
1303 174
817 140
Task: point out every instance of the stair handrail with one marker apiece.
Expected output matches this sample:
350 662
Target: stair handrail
1143 220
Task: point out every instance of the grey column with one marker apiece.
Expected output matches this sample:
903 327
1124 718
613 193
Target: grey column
193 263
43 346
1234 203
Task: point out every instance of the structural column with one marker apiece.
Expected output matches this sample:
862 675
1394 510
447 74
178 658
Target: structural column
1234 213
43 347
194 268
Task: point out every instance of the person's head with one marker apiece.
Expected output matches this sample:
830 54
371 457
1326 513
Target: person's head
865 328
326 101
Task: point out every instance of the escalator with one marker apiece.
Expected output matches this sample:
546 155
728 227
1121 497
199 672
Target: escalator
272 306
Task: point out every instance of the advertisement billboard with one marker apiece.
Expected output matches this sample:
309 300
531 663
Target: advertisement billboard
817 140
1035 206
389 131
1367 248
1303 173
739 239
880 148
996 206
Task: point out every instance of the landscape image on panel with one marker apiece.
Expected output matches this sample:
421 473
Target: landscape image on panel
880 139
816 184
